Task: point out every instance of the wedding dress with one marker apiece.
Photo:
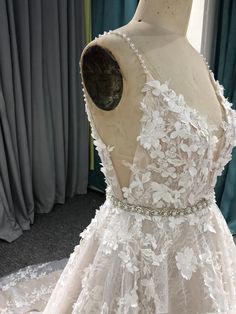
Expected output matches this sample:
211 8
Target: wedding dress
160 244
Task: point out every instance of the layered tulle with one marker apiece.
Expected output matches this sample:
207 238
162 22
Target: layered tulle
29 287
132 263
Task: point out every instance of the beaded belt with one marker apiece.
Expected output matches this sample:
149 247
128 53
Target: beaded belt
201 204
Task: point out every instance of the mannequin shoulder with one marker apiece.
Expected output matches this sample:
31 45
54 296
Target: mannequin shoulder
106 64
101 73
110 47
109 42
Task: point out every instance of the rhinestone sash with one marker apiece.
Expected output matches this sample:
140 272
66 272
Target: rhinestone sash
201 204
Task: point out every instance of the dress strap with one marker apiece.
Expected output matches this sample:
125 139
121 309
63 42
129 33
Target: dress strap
132 46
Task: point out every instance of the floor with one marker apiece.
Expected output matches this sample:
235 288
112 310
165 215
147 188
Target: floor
52 236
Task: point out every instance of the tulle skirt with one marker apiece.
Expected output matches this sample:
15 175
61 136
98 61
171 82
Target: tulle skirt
128 263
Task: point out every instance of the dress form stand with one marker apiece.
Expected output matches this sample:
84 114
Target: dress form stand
158 29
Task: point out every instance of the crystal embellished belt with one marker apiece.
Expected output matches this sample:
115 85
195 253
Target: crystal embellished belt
201 204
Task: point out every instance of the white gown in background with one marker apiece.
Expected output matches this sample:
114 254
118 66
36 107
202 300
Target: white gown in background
159 245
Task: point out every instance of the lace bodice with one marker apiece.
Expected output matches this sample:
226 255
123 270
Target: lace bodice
178 157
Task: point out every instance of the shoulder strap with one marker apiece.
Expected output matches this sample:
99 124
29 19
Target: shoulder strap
132 46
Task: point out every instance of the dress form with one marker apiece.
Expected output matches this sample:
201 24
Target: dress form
158 30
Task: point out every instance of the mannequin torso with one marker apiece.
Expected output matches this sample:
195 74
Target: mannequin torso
160 38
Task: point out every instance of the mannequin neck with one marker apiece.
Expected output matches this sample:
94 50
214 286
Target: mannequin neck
170 16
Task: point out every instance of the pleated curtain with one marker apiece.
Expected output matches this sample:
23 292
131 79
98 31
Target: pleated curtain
88 33
43 125
225 71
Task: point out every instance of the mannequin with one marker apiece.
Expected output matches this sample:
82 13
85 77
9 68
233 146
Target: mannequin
158 29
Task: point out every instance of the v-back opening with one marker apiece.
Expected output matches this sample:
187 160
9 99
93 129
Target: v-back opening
150 77
200 117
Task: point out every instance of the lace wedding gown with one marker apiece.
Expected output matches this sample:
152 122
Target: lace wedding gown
159 245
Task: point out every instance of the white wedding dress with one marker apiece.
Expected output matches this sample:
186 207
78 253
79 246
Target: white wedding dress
159 245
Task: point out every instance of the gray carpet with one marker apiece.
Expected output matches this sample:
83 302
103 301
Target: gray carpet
53 236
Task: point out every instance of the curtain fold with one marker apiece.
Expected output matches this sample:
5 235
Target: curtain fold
43 124
88 32
225 71
107 15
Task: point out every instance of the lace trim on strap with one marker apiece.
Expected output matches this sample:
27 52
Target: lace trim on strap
104 151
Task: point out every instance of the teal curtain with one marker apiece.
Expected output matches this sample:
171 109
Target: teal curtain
107 15
225 72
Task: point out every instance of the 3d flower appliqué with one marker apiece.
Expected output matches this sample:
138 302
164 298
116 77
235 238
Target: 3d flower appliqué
186 262
156 87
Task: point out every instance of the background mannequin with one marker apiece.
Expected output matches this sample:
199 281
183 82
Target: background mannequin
158 29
